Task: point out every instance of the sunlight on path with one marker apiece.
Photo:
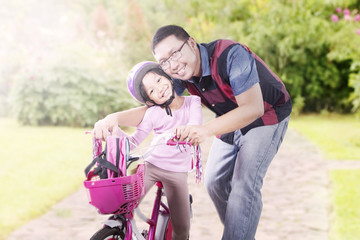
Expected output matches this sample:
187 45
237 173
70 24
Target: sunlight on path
295 196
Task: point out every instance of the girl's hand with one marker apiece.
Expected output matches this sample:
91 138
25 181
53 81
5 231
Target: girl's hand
194 134
104 127
180 133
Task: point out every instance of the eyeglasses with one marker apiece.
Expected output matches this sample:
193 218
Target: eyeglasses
165 64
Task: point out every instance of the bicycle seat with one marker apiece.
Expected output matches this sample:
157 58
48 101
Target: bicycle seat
159 184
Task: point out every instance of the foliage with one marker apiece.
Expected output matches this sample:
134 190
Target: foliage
293 39
345 45
297 39
355 83
77 80
316 57
69 91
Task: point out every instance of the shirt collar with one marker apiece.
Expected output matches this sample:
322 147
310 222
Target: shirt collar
205 66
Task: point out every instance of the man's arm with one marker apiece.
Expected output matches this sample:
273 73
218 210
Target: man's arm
250 107
129 118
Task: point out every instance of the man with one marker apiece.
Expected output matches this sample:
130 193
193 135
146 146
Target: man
252 107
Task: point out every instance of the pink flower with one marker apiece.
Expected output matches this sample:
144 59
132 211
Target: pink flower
347 18
346 11
358 31
357 18
334 18
338 9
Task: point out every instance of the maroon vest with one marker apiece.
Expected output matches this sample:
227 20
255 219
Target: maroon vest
216 93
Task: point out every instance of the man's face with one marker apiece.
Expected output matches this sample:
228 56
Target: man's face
181 55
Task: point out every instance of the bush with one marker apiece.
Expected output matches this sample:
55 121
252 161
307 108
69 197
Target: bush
344 39
69 91
293 38
317 59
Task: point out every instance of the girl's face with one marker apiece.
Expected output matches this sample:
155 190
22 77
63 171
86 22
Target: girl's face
157 87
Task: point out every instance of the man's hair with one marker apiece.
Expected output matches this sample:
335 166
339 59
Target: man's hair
166 31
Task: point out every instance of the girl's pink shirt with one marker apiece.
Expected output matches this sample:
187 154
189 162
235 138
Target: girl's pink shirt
164 156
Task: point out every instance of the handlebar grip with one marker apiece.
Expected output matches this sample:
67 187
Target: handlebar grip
171 142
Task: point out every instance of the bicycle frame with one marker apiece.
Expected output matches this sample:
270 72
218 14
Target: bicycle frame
122 225
131 227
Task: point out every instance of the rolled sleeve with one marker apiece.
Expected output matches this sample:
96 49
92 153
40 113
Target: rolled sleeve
241 69
178 87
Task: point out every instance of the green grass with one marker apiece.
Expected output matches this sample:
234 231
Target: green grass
338 136
39 167
345 221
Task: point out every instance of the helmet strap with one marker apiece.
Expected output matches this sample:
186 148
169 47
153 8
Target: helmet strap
166 104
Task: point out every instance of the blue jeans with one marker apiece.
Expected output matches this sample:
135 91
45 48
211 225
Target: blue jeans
234 177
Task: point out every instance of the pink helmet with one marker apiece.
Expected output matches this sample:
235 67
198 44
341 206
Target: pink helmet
136 75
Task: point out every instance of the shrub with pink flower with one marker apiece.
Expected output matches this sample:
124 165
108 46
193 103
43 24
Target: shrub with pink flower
357 18
334 18
344 38
346 15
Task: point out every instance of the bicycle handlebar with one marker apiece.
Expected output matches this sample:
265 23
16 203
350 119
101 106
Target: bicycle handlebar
170 142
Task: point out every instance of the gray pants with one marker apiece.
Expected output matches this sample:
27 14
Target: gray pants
177 194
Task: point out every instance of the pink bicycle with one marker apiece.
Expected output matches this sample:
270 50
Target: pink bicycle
122 199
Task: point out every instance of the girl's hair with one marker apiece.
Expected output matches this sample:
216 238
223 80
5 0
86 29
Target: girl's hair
166 31
143 93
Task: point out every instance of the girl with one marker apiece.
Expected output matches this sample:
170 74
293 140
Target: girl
150 85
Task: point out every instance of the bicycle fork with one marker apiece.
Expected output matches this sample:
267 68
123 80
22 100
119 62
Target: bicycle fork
157 223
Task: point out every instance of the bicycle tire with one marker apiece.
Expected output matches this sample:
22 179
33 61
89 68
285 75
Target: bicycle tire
108 233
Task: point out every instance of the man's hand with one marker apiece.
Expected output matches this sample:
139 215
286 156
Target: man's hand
194 134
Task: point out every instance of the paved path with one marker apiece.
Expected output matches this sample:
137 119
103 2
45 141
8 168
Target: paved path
295 193
295 196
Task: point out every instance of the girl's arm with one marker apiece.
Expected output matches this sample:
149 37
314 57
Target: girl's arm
142 131
109 125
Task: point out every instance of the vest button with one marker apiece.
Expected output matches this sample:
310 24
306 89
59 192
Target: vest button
203 89
213 105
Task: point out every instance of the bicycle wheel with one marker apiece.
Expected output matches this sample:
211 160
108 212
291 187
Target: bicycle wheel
108 233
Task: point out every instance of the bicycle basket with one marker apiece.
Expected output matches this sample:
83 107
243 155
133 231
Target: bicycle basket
116 195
